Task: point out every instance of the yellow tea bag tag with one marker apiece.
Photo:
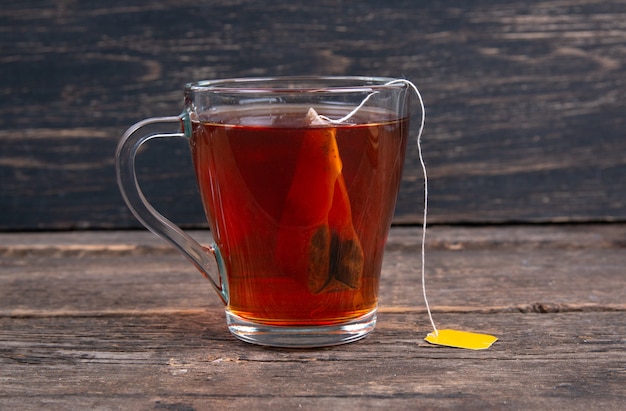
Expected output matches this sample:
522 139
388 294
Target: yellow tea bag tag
461 339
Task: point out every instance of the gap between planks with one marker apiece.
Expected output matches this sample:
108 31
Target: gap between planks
543 308
401 238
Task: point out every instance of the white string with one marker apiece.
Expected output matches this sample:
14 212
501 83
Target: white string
421 159
353 112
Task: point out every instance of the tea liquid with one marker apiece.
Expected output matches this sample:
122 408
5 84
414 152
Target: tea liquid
299 212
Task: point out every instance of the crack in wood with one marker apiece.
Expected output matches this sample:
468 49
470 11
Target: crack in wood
532 308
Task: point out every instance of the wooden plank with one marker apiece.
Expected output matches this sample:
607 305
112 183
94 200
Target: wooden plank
120 320
568 268
485 269
525 116
542 361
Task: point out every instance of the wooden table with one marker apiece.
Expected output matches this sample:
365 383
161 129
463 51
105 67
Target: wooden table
119 320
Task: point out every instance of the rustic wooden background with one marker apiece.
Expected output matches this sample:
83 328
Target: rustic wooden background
525 99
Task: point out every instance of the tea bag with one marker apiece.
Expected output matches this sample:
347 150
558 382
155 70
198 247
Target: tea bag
316 232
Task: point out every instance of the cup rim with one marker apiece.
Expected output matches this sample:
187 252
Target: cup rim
288 84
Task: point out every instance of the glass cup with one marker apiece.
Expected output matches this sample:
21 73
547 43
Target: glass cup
299 178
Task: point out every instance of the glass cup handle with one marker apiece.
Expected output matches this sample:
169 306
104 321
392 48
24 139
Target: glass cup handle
206 259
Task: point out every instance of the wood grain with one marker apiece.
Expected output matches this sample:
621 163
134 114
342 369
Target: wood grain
541 361
512 269
87 321
525 117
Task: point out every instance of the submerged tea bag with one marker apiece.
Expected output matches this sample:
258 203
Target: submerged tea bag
316 232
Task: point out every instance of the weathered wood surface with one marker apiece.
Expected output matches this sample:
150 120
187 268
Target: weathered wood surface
525 110
118 320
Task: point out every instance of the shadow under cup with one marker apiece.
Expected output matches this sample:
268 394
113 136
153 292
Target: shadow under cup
299 179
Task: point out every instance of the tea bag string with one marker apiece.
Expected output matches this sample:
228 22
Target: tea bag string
423 165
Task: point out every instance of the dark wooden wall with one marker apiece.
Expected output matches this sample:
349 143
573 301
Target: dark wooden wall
525 99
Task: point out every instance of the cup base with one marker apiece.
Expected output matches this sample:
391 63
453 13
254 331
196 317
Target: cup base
301 337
